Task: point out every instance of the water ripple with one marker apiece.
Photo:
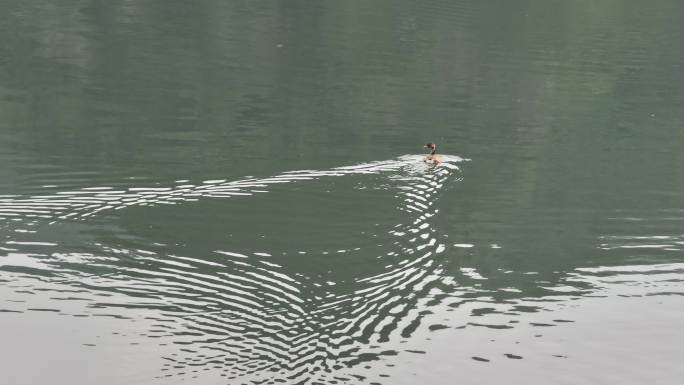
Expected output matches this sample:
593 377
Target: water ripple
258 313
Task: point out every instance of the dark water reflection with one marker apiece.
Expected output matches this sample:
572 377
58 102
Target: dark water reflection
213 192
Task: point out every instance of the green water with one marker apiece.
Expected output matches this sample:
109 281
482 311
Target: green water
234 193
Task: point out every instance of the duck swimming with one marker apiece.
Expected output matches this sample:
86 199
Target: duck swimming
433 157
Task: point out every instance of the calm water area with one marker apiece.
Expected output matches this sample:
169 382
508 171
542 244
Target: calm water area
233 192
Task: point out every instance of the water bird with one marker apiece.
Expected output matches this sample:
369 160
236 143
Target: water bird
433 157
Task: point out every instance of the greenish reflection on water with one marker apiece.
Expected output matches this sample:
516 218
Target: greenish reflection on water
220 190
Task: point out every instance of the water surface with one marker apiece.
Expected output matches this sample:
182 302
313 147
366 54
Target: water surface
233 192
